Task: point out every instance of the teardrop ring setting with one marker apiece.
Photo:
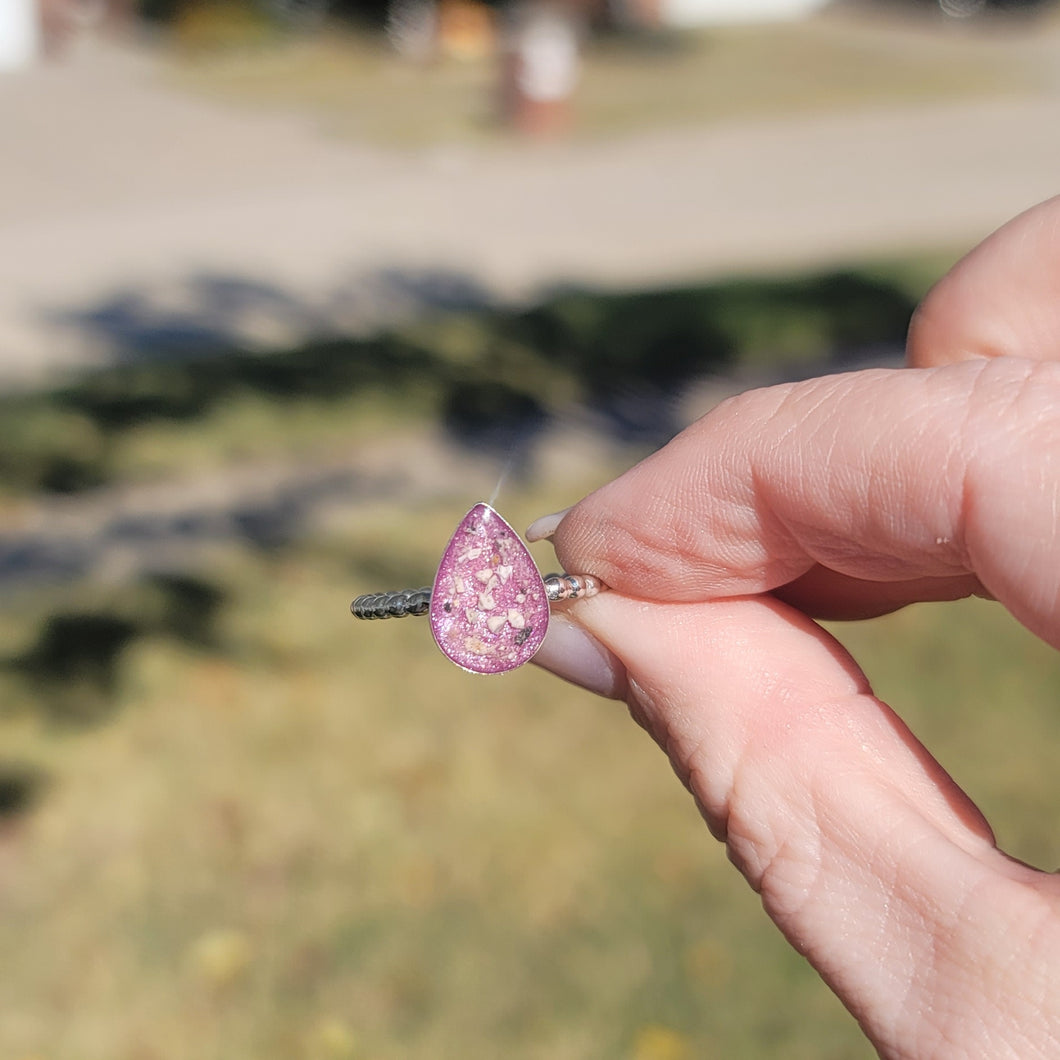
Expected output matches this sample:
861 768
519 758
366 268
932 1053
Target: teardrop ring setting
489 605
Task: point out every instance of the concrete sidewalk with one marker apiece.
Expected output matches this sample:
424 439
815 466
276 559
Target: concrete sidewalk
135 219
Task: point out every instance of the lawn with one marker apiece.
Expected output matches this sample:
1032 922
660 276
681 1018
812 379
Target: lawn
285 836
235 824
352 85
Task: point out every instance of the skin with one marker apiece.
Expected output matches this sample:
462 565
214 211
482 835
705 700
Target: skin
850 496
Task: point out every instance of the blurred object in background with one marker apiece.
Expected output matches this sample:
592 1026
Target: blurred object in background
961 9
466 30
30 29
540 66
19 33
412 28
967 8
714 12
63 21
543 40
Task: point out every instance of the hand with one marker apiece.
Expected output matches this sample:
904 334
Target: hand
850 496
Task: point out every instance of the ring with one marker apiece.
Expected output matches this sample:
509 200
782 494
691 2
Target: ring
489 605
400 603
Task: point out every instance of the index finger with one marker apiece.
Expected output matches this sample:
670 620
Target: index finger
885 476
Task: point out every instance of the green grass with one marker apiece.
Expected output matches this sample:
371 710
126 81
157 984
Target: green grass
310 833
236 825
296 838
354 87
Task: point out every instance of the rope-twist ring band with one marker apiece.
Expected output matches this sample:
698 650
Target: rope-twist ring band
400 603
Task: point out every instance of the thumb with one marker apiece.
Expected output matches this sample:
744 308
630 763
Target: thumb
866 854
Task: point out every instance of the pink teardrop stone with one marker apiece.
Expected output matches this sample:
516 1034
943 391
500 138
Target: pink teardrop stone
488 611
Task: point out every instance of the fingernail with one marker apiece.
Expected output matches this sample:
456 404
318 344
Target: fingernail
570 652
545 527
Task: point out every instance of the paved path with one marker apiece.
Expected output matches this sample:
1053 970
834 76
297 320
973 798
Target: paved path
133 217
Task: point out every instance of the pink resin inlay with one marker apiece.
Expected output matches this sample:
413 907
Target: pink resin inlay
488 611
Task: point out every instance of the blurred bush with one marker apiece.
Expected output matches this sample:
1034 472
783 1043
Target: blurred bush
492 377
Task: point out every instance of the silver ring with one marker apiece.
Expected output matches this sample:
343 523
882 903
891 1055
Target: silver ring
489 605
401 603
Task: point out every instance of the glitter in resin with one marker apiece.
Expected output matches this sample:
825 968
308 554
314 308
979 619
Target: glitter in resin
488 611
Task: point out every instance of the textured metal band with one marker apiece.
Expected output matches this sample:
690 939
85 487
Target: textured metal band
403 602
572 586
392 604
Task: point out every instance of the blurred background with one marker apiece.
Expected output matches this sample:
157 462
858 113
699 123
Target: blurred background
286 286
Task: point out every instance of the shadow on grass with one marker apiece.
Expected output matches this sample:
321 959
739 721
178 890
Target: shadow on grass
493 378
73 668
72 673
22 785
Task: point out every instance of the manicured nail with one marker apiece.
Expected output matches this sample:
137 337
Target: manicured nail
545 527
572 653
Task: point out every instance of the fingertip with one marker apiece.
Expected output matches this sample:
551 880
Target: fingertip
1001 299
541 529
571 652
